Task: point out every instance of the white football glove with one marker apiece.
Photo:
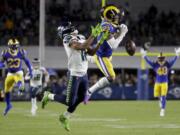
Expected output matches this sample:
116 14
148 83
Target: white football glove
177 51
143 52
123 29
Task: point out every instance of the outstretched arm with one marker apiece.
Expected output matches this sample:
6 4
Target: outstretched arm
151 63
118 37
27 62
81 46
92 51
172 61
95 31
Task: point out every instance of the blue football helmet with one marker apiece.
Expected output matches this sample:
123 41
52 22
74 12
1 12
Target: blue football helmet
13 44
65 29
112 14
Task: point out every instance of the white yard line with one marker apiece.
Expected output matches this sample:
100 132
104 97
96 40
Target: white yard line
144 126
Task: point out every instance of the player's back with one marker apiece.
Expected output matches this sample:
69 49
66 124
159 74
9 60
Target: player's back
14 61
77 61
105 50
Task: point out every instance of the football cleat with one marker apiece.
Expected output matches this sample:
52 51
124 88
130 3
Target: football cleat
87 97
162 113
45 99
65 122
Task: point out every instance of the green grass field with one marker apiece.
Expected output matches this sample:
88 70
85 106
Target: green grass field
96 118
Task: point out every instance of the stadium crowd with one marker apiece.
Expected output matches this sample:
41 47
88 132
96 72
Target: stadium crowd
22 20
126 78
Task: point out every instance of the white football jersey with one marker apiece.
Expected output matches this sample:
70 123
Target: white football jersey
77 61
37 77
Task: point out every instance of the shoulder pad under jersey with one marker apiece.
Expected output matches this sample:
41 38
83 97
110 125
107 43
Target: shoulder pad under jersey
3 53
108 26
23 52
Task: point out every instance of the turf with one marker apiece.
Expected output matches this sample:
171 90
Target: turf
96 118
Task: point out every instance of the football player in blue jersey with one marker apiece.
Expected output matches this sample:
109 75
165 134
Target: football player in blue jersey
13 57
111 22
161 67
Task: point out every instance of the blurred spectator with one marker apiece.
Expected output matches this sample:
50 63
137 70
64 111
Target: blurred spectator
22 20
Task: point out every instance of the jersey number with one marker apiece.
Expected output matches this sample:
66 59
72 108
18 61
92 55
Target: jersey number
162 71
83 55
13 63
37 77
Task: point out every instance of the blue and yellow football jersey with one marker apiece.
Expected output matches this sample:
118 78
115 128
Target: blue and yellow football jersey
105 49
14 66
13 61
161 83
161 70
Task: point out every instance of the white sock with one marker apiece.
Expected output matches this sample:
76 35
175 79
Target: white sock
99 84
67 114
33 101
51 96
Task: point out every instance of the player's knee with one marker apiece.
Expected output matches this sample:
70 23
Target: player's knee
111 78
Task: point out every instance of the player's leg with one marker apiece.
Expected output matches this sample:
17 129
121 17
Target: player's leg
9 84
83 87
33 93
106 67
54 97
164 89
157 92
72 91
19 80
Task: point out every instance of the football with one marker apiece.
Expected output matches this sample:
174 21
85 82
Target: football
130 47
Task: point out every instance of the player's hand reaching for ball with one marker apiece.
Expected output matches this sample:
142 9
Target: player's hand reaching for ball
177 51
123 29
95 31
103 37
143 52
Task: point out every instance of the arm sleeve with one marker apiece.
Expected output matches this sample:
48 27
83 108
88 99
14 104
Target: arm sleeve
172 61
151 63
26 60
2 59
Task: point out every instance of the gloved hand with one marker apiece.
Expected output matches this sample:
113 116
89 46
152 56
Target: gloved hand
103 37
177 51
95 31
123 28
143 52
30 75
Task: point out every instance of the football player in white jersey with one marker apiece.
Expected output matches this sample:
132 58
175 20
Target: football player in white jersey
36 83
75 46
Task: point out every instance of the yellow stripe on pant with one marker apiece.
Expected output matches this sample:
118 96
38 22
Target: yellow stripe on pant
105 65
